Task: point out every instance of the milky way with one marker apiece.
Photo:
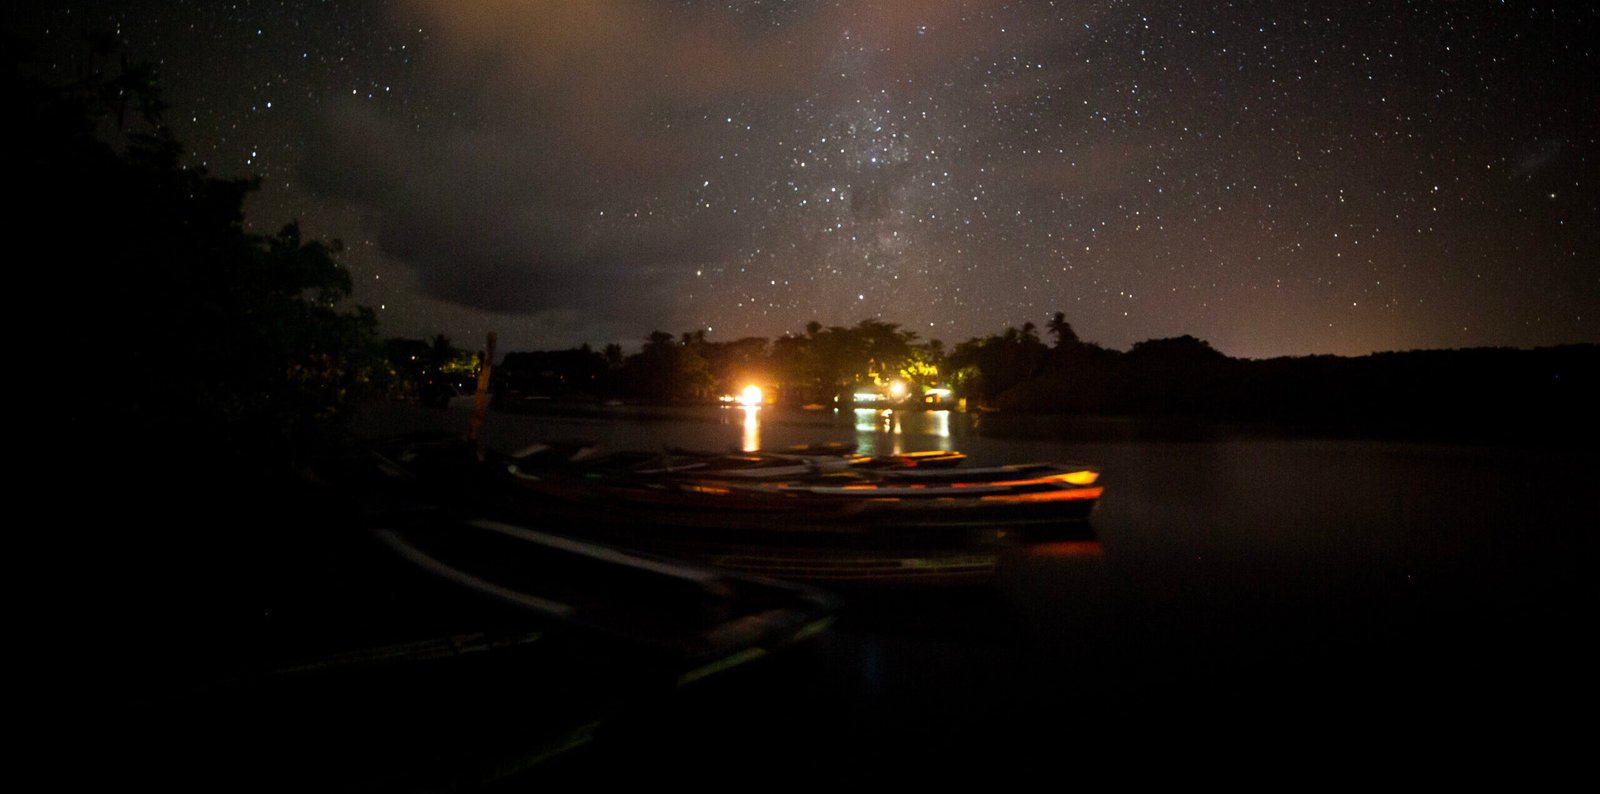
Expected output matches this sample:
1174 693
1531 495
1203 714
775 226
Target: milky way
1275 178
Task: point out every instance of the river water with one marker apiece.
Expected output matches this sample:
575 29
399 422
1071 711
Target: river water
1242 592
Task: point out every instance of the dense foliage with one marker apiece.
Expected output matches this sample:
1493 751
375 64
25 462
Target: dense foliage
198 334
814 366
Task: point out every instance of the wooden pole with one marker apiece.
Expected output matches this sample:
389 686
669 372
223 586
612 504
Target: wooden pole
480 398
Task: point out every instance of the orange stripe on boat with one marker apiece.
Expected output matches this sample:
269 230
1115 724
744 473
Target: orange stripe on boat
1067 495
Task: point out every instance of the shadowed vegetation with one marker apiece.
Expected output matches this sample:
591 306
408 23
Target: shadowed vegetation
1488 393
200 334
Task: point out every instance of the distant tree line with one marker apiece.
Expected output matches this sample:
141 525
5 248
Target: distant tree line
1497 391
815 365
1485 392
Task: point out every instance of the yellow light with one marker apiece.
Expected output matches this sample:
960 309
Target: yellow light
750 396
897 389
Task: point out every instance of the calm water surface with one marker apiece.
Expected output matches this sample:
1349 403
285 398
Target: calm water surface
1241 591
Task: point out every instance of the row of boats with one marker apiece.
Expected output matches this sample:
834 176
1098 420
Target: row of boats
818 513
802 490
660 569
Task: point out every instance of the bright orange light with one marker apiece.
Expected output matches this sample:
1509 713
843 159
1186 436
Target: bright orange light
897 389
750 396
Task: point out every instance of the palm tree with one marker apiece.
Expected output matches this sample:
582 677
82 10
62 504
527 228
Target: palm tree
1062 331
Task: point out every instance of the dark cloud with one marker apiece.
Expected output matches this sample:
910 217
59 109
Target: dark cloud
562 140
538 124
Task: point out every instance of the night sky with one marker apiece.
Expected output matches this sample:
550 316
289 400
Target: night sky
1276 178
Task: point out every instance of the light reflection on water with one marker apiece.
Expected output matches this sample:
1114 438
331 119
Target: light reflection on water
887 432
751 440
712 428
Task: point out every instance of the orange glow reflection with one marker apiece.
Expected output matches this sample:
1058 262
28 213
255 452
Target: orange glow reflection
1067 549
751 439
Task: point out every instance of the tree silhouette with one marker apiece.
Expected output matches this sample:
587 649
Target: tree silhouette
1062 331
212 338
668 369
988 367
207 365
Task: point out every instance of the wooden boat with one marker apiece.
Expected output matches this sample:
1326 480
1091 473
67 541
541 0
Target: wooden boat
1075 474
790 462
800 460
846 453
742 465
700 618
925 459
